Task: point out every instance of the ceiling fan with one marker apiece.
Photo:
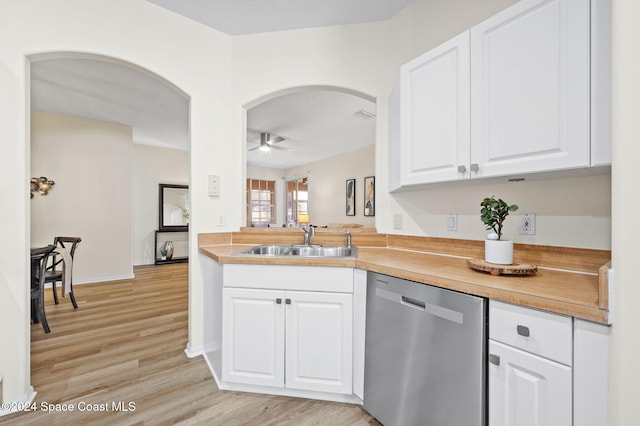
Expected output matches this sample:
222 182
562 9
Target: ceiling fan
268 141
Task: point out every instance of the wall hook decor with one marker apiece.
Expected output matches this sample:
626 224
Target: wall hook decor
42 184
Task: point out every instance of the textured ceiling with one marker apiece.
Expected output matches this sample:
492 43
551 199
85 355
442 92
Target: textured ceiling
236 17
112 92
316 124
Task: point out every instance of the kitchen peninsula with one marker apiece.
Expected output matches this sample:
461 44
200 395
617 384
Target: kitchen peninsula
296 326
569 281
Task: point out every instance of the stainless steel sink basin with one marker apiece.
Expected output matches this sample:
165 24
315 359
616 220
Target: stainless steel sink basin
298 251
267 250
323 251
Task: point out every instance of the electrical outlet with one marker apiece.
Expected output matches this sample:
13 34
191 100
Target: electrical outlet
397 221
452 222
528 224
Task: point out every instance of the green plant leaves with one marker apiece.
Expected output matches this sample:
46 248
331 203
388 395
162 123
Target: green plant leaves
494 212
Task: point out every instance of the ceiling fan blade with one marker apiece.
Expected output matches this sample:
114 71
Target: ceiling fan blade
276 139
279 148
254 148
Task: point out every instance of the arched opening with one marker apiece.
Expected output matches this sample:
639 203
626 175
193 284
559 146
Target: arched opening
319 138
107 132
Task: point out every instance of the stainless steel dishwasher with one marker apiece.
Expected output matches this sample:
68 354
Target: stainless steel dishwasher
425 354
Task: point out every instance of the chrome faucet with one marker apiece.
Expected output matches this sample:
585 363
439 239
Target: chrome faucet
348 234
308 233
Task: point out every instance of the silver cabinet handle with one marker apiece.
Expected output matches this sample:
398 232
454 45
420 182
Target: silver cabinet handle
475 167
462 169
523 331
494 359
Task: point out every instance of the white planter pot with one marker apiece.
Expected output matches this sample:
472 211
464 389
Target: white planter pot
498 251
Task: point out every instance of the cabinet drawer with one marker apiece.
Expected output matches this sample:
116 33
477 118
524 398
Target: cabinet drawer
542 333
281 277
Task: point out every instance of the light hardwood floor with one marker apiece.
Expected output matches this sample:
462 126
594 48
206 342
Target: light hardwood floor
125 344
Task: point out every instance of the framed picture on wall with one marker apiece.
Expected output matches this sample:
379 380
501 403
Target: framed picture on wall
370 196
351 197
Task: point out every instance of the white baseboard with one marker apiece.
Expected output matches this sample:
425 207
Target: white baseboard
192 351
296 393
15 406
105 279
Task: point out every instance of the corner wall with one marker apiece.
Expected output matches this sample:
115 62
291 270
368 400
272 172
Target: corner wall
192 57
90 162
151 166
327 186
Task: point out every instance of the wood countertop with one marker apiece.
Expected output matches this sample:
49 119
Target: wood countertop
575 293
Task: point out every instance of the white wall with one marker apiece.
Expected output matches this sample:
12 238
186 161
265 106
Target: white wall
570 212
91 199
102 177
151 166
194 58
625 338
327 186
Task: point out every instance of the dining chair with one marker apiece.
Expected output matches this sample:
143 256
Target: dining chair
55 271
39 260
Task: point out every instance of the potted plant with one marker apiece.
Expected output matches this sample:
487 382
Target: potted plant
493 214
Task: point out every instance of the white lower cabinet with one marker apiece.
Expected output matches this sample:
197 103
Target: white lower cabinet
545 369
319 341
253 337
530 367
290 339
527 390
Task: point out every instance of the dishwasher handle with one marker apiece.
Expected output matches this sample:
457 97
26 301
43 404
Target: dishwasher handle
439 311
414 303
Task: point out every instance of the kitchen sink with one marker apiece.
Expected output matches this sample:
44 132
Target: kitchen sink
337 251
267 250
298 251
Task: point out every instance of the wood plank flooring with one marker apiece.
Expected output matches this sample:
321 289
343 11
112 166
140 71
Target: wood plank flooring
124 348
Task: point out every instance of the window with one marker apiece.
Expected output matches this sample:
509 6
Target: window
260 202
297 202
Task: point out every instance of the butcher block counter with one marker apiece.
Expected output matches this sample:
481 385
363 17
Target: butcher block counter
570 281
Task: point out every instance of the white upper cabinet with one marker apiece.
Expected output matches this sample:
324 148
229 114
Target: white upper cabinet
434 114
530 88
600 83
526 91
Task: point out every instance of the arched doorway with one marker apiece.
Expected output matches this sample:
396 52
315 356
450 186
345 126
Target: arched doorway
318 135
92 123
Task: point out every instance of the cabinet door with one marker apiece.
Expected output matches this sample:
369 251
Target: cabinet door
253 336
527 390
319 333
434 114
530 88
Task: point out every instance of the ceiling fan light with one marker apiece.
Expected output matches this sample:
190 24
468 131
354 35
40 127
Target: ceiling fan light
264 147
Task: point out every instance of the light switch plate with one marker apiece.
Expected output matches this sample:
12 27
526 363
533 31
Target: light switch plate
397 221
214 186
452 222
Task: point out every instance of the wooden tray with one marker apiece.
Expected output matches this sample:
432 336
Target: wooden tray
495 269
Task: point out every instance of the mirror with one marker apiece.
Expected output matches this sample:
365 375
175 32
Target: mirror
173 207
